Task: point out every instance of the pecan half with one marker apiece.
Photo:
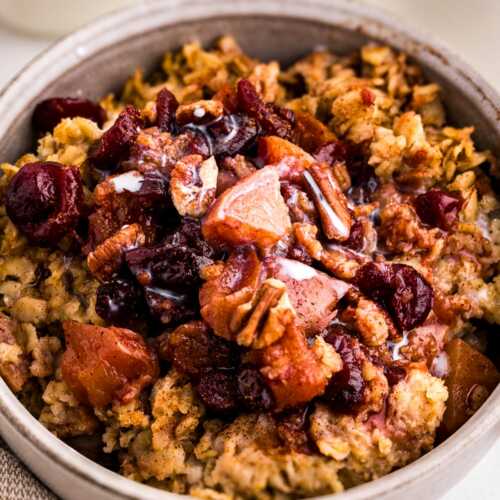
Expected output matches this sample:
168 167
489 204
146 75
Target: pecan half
330 202
192 185
261 321
108 256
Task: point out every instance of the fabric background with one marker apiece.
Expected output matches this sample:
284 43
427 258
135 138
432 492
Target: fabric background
16 482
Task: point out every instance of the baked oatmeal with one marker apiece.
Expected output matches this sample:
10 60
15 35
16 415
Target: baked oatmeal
241 281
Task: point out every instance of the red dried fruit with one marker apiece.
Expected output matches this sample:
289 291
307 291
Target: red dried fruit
101 365
166 106
119 301
356 240
400 289
364 181
168 306
193 349
346 390
253 390
331 152
219 392
44 200
114 145
438 209
272 119
50 112
226 135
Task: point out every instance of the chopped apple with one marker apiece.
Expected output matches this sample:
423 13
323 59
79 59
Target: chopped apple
313 294
471 379
251 212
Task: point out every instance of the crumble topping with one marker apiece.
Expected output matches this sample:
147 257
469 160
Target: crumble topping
236 280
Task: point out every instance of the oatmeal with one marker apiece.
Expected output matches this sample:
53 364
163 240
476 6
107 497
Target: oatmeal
243 281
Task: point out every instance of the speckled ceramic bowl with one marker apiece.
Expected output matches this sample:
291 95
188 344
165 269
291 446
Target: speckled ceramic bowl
98 58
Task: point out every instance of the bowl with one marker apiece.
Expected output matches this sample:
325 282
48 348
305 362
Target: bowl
99 57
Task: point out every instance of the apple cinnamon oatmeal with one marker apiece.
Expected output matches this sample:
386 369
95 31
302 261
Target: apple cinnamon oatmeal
242 281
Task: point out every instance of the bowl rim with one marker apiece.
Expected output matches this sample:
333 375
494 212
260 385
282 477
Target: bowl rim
152 15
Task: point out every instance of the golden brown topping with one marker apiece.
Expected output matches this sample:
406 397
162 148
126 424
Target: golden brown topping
105 364
252 211
471 378
402 231
192 185
108 256
371 321
13 362
330 202
295 373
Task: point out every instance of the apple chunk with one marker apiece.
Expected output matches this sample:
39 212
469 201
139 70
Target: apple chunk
470 380
272 150
313 294
251 212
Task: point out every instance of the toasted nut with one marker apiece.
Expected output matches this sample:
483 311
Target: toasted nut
263 320
330 202
310 132
108 256
193 184
198 111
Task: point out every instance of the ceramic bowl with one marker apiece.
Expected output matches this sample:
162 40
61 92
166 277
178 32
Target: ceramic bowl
98 58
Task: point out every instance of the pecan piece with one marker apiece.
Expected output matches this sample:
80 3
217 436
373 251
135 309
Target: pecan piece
108 256
261 321
204 110
192 185
330 202
294 372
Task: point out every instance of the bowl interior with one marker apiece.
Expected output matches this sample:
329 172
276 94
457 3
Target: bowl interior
98 59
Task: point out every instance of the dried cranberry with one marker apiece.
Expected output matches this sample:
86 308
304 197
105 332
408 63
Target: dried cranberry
291 426
193 349
412 297
169 306
394 374
400 289
166 265
438 209
166 106
346 389
253 390
44 200
115 143
189 234
50 112
374 280
272 119
119 301
331 152
218 391
356 240
227 135
364 181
